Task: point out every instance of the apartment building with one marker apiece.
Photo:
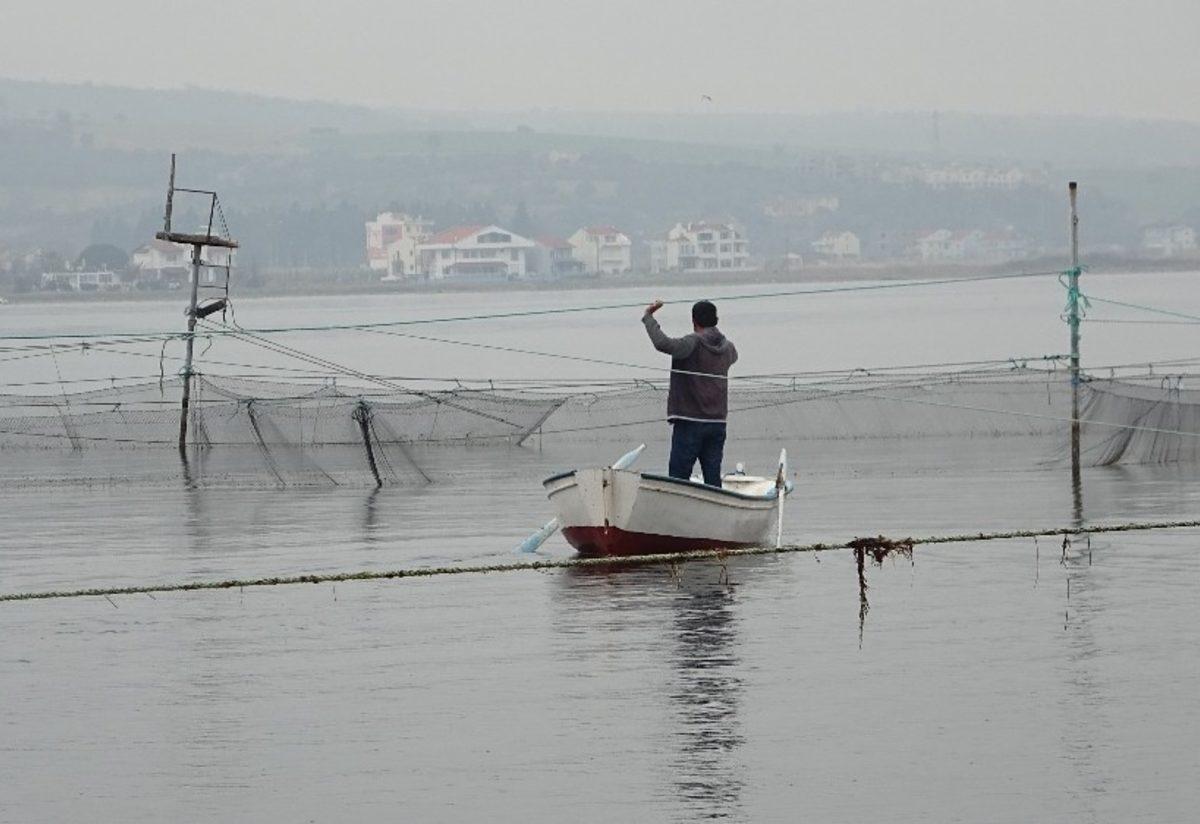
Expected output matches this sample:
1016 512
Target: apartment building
392 241
476 251
602 250
702 246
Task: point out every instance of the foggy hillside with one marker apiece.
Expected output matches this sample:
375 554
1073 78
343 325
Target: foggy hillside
82 164
1061 140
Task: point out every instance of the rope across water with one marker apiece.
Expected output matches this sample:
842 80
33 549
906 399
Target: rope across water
864 287
569 563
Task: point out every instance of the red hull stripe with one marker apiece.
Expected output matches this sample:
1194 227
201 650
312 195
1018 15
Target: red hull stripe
598 540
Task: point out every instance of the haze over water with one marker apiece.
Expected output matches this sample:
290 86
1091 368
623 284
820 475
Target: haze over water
972 686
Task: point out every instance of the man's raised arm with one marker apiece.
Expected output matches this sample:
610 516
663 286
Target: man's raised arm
675 347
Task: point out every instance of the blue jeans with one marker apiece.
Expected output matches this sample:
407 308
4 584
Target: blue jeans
692 440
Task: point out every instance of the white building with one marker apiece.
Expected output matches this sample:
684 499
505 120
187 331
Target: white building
1169 241
475 251
553 257
838 245
99 281
941 245
602 250
702 246
162 262
392 241
945 245
159 255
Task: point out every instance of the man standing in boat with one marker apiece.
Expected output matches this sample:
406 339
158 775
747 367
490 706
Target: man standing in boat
697 404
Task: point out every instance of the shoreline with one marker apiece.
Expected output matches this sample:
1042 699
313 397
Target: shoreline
758 277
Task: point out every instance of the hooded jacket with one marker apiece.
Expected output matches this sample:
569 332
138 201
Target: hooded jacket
695 397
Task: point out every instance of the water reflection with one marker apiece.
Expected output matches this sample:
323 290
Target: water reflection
207 670
1086 695
370 521
697 606
199 522
189 482
705 694
1084 705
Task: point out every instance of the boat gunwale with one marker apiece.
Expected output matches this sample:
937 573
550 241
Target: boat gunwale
678 482
687 484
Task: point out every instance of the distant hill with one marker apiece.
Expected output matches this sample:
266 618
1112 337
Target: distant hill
157 118
85 164
1058 140
154 118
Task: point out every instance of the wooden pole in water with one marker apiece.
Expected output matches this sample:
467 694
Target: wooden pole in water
191 345
1073 320
1073 298
197 242
362 414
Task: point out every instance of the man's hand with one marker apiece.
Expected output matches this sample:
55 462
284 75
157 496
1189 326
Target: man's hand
654 307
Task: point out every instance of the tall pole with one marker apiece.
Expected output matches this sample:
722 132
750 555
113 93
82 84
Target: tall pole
191 345
197 242
1073 298
170 197
1073 320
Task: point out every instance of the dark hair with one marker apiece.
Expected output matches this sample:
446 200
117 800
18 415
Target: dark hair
704 314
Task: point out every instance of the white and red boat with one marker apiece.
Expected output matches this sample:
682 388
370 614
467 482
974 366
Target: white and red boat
616 511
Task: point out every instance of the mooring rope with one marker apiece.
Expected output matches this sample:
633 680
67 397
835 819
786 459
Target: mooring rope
570 563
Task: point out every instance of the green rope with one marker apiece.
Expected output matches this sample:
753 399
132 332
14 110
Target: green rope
1153 309
1077 301
570 563
1144 322
541 312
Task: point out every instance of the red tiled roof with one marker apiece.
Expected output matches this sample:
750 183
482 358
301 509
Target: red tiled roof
551 242
454 234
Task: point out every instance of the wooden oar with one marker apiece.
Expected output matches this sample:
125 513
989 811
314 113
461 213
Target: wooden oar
538 538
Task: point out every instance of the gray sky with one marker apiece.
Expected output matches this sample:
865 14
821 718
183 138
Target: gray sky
1123 57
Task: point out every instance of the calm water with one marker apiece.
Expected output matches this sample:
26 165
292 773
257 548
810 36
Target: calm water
975 689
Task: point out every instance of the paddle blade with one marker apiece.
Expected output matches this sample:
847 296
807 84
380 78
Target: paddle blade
538 538
627 460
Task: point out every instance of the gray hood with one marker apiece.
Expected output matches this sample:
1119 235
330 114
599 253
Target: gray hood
712 340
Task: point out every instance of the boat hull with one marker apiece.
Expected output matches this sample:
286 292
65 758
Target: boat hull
617 512
613 541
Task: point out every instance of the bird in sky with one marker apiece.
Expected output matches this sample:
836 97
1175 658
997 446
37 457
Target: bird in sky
704 97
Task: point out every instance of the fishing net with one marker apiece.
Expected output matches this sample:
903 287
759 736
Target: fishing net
292 433
326 432
1147 422
855 408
